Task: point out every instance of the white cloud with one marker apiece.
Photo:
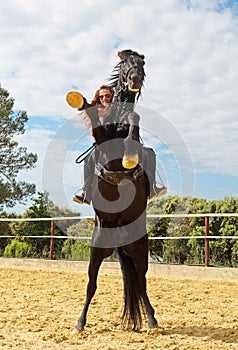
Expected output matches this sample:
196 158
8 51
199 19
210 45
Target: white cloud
50 47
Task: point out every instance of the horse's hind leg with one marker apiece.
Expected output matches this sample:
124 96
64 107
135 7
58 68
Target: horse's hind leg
141 262
97 256
152 322
139 252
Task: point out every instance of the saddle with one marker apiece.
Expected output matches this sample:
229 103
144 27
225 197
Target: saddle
115 177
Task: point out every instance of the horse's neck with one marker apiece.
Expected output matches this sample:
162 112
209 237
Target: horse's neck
124 96
118 127
125 101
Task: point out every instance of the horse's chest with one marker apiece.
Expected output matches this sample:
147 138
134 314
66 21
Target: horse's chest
122 130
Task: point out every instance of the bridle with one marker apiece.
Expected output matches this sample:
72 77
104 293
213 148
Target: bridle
124 75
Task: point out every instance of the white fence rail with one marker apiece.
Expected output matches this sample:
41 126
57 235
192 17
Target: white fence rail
206 236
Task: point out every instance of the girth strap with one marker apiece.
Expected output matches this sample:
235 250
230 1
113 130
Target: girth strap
115 177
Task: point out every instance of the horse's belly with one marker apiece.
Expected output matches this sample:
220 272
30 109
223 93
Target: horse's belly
120 213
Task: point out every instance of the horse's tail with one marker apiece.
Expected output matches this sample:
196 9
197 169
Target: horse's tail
133 302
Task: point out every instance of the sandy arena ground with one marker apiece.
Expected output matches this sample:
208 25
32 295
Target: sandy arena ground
39 307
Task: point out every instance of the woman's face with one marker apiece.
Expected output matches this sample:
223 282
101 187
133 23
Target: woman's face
105 96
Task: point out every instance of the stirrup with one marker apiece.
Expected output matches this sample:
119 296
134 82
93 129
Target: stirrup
162 191
80 199
159 192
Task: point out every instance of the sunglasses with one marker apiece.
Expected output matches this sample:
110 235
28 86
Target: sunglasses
107 96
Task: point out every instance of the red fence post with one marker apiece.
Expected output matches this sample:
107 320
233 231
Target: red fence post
206 241
52 233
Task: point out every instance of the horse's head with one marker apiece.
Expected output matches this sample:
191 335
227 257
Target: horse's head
132 72
128 75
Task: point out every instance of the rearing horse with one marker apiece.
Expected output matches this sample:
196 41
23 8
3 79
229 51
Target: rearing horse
119 193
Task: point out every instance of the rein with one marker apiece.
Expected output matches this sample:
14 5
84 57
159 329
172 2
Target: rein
85 154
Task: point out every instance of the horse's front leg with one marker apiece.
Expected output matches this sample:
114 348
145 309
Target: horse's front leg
131 142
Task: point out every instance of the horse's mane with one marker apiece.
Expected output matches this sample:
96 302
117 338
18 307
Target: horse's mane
114 77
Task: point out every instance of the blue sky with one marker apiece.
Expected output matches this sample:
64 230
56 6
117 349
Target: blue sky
189 105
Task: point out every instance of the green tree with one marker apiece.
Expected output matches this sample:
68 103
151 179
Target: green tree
13 158
169 250
37 248
197 228
78 248
178 250
157 227
222 250
63 225
5 230
43 207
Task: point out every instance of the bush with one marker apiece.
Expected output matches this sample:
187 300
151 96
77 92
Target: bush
16 249
75 250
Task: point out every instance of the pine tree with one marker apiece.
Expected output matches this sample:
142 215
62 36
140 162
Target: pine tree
13 158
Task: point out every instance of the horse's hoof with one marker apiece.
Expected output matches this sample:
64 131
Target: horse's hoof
77 329
75 99
152 324
130 162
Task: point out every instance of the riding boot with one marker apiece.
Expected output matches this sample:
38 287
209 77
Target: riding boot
155 191
149 164
86 196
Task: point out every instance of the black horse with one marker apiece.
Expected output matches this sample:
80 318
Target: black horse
119 193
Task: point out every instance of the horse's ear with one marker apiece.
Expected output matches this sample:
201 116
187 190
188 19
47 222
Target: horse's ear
120 54
124 52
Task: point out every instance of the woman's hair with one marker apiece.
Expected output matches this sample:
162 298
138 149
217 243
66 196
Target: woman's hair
96 99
